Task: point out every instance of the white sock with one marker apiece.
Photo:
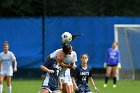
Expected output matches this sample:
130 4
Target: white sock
10 89
1 88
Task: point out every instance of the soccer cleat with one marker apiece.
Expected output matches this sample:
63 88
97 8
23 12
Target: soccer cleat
114 86
105 85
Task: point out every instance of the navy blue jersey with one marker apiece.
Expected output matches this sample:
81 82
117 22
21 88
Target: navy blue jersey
51 79
82 75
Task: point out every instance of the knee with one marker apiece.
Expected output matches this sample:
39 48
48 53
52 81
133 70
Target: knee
108 74
114 75
1 82
8 84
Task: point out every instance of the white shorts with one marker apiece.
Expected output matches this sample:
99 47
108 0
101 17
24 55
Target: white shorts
6 72
66 79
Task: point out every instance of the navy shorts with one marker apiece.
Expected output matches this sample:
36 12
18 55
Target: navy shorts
51 89
83 88
114 65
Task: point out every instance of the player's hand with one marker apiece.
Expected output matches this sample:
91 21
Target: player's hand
105 65
15 69
60 86
74 66
76 88
50 71
96 89
119 66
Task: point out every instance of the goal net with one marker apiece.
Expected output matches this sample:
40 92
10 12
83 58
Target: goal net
128 38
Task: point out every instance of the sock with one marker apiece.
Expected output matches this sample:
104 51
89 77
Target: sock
114 80
10 89
1 88
106 79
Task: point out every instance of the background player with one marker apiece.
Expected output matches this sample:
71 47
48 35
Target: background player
112 61
81 76
6 69
50 84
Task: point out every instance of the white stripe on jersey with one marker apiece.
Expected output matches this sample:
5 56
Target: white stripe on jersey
46 81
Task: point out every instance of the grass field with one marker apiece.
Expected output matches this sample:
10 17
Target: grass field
33 86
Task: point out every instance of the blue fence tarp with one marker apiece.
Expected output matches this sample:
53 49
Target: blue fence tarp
25 40
25 37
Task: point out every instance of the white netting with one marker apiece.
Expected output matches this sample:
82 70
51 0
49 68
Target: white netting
128 37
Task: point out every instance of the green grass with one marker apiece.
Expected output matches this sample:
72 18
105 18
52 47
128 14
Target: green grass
33 86
123 86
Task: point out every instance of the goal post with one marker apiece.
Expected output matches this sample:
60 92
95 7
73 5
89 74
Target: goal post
128 38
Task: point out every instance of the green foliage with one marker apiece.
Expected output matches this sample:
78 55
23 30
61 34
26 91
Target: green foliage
25 8
22 8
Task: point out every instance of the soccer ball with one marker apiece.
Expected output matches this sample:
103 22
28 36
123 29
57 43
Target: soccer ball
66 37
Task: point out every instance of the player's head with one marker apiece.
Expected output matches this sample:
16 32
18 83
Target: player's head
67 49
60 55
114 45
84 58
5 46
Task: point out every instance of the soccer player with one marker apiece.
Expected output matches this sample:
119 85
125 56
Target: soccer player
69 62
6 69
82 75
52 67
111 64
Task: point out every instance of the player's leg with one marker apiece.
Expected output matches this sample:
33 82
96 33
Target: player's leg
8 81
1 82
66 84
44 91
56 90
71 86
108 73
114 76
66 88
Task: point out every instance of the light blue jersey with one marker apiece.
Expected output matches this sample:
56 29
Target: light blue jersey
7 60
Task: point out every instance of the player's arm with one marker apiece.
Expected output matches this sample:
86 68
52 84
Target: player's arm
106 59
15 65
14 60
74 78
66 65
118 59
42 67
93 84
92 81
74 84
0 64
60 83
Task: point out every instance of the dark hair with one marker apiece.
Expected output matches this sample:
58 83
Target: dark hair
66 48
115 42
5 43
83 55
